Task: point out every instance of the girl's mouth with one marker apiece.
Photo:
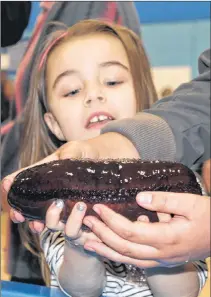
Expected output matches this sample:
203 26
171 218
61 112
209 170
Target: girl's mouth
98 120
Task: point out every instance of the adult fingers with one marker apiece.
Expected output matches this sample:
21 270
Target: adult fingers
143 218
180 204
164 217
89 236
119 244
152 234
105 251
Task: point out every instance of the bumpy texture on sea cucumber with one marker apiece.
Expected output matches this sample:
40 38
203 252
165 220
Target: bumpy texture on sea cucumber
114 183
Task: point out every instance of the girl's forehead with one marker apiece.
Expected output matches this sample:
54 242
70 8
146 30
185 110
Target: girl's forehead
89 47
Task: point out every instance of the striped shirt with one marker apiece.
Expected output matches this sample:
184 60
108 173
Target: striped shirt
120 281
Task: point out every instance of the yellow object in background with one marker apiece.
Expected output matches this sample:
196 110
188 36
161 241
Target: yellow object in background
206 289
5 220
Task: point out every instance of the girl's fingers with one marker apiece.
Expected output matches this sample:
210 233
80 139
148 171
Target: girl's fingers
19 217
6 184
53 216
12 216
75 220
36 227
31 226
16 217
8 180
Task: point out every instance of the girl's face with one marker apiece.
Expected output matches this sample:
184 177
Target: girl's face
89 84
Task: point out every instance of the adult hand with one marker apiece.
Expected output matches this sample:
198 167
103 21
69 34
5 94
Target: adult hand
185 237
106 146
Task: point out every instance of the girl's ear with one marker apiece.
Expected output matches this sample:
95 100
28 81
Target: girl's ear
53 125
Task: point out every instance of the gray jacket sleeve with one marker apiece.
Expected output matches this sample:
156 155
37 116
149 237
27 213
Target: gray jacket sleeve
176 128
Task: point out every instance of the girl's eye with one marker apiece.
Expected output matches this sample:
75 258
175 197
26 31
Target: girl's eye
72 93
113 83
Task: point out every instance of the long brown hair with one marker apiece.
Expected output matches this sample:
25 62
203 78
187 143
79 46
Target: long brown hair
37 141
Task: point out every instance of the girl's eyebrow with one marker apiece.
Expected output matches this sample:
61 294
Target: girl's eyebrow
61 75
111 63
72 71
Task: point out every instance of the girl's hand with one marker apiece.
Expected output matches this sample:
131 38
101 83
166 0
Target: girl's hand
72 228
17 217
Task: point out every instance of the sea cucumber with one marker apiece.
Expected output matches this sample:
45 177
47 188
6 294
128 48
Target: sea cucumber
114 183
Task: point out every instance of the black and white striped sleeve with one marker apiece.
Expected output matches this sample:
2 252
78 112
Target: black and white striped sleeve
117 283
52 244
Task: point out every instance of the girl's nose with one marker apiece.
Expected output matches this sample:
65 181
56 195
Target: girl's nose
94 95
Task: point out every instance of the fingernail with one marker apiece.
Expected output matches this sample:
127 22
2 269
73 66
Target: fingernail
6 184
15 221
20 220
96 209
144 198
18 217
59 203
88 223
80 206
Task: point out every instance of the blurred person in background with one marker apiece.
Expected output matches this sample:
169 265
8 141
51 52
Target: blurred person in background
189 105
4 100
23 266
8 111
165 92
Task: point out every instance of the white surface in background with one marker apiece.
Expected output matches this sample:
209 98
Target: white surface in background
170 77
5 61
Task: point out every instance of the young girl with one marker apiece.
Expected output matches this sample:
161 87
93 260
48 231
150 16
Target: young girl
87 76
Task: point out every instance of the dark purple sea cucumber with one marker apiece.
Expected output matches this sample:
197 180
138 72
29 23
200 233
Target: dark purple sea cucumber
110 182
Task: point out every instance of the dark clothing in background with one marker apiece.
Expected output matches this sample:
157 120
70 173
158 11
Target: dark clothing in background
176 128
68 13
14 20
5 106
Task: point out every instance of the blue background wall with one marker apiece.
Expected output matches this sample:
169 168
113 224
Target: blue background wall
170 11
176 44
174 33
